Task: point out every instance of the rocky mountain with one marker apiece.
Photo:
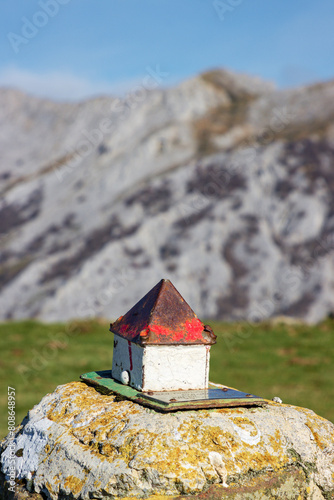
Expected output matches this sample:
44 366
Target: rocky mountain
222 184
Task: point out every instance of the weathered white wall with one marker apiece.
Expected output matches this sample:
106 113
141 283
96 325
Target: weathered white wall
176 367
121 361
161 368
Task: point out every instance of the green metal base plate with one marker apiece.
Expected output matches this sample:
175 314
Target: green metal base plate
216 396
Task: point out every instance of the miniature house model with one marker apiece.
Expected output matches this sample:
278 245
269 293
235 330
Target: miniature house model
161 345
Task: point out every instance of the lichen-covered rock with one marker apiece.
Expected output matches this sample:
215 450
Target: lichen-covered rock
79 444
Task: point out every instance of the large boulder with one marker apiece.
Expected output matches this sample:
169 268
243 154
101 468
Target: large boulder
79 444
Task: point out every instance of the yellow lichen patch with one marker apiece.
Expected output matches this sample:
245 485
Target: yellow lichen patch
102 427
219 437
97 418
246 425
275 441
260 457
153 497
74 484
315 428
57 479
196 441
183 464
319 426
166 456
77 397
230 411
190 430
242 455
195 435
113 430
48 486
185 455
108 450
137 441
176 460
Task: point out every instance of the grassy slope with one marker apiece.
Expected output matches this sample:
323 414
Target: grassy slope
295 362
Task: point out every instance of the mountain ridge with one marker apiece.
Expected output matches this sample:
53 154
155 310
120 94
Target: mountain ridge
222 184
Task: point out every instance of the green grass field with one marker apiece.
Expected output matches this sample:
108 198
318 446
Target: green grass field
294 362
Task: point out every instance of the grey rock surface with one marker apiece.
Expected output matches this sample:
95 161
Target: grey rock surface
79 444
222 184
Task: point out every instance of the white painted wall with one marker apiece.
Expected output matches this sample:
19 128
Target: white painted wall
161 368
173 367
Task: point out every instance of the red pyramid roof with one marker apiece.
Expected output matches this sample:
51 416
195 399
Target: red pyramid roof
162 317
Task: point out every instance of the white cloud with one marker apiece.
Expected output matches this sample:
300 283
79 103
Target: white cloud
60 85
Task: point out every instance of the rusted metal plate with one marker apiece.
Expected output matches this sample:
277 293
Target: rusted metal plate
196 395
162 317
216 396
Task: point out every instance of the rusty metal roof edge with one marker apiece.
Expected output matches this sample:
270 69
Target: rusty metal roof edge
148 343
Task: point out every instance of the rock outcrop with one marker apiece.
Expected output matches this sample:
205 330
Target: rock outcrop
79 444
222 184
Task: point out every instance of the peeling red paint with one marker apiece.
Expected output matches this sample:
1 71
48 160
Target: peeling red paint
191 332
130 355
161 331
194 329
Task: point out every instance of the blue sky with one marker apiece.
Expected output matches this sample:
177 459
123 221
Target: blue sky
71 49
